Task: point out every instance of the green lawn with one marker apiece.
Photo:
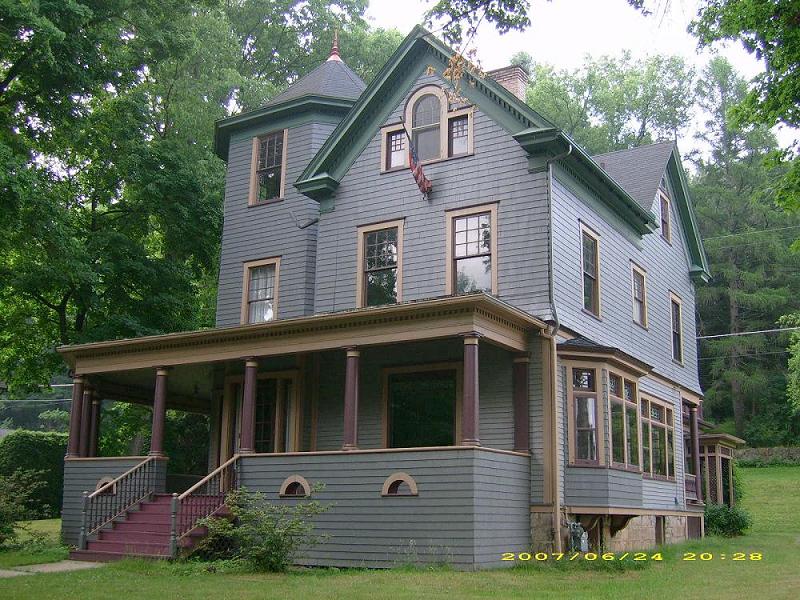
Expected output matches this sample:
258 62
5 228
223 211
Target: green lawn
771 496
52 551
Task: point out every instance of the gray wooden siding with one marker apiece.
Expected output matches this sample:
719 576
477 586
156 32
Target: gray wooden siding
495 377
82 476
446 522
586 486
255 232
667 270
498 172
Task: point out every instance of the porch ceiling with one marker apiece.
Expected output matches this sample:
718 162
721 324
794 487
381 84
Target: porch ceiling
496 321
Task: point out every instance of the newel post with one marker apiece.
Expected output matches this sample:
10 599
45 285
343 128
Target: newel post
76 410
173 531
84 516
470 404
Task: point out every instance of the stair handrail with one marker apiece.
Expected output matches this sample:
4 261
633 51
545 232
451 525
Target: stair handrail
115 497
203 499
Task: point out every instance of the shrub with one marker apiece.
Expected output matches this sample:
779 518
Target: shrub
727 521
42 452
16 493
265 534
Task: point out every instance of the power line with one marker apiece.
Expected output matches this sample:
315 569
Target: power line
744 355
741 333
719 237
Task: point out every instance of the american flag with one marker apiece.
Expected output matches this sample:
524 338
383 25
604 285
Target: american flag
424 184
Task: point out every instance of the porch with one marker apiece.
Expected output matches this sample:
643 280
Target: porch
435 394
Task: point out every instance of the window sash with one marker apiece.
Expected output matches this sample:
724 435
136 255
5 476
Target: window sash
590 267
261 294
639 298
677 331
458 136
658 440
585 420
472 252
269 166
395 149
625 438
665 218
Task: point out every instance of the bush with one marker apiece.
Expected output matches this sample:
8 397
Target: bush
727 521
42 452
262 533
16 493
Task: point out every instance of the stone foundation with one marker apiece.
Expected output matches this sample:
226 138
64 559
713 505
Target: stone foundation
542 532
640 533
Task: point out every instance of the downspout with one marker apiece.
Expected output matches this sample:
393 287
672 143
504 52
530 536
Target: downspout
552 333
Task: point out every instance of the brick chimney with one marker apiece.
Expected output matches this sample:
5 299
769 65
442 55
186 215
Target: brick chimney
514 78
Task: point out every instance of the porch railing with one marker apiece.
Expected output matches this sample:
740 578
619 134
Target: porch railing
690 486
113 499
202 500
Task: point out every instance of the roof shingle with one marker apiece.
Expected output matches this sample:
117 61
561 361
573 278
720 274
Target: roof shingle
332 78
638 170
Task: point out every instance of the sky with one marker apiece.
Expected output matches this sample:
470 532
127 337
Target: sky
563 32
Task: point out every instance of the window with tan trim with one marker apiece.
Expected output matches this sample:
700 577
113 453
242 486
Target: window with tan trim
260 290
624 425
268 168
584 422
658 438
666 216
380 264
639 295
590 267
437 132
676 326
471 250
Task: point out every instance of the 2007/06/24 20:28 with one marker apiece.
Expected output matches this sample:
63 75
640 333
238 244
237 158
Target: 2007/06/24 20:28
634 556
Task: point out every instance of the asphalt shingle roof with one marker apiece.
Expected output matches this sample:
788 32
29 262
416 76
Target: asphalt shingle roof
638 170
332 78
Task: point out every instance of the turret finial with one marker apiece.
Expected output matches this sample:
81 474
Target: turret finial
335 47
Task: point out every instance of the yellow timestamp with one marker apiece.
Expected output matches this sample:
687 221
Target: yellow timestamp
733 556
578 556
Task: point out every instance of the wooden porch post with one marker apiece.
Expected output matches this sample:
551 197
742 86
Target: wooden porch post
248 426
76 410
94 427
695 433
86 420
470 404
521 404
159 413
351 400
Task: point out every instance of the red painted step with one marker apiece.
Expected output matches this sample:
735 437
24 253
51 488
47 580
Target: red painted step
129 547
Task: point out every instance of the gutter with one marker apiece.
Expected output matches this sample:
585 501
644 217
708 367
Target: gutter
553 374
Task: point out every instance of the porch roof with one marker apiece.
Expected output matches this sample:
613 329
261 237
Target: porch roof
497 321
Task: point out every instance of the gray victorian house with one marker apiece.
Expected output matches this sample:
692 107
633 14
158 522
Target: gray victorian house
469 371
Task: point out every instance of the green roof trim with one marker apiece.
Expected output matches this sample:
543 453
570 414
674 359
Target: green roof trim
387 89
698 268
224 128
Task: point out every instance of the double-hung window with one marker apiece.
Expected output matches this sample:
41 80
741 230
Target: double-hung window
268 166
658 438
665 208
380 261
676 320
639 289
260 291
472 250
624 426
590 265
584 407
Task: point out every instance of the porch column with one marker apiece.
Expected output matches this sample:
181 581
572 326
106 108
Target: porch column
470 402
86 419
248 427
73 446
94 426
351 400
521 405
159 413
695 433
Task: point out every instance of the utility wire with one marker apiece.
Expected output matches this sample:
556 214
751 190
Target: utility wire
743 355
719 237
741 333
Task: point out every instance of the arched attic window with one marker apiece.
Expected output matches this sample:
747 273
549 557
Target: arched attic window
426 127
400 484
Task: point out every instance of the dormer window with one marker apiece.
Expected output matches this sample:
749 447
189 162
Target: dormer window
436 131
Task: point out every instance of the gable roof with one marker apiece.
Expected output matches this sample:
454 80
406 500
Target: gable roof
531 130
640 170
333 79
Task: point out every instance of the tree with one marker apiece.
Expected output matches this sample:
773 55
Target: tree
754 273
610 104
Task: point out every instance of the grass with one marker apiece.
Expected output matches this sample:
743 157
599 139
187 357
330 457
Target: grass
26 552
771 495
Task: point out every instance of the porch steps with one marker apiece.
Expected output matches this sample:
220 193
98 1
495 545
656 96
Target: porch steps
143 533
